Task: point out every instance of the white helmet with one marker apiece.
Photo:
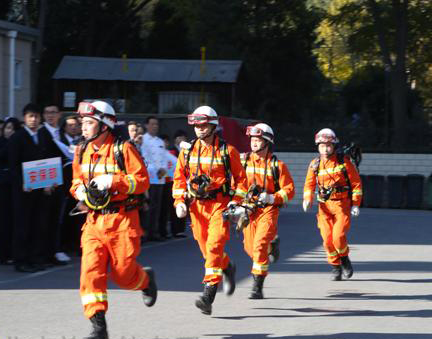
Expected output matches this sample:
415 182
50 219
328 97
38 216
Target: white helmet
99 110
203 115
261 130
326 135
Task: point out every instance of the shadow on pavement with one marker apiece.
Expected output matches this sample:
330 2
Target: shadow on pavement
328 336
179 265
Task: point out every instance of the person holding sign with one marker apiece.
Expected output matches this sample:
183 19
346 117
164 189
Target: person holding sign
108 176
29 228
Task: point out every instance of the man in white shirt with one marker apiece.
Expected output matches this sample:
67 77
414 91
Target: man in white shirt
154 153
50 134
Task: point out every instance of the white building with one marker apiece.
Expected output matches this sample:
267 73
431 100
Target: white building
16 50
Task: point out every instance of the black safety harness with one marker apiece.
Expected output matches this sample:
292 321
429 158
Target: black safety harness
203 180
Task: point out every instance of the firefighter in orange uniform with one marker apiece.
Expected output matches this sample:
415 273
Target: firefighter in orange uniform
208 172
274 187
339 195
107 177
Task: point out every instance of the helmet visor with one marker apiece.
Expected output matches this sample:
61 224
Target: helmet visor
325 138
199 119
86 108
252 131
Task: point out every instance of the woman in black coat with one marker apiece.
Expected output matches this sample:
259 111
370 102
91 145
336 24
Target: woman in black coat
6 215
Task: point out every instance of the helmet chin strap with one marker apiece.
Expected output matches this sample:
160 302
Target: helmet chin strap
209 134
87 141
262 147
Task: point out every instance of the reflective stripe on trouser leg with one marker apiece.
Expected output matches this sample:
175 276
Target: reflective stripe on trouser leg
259 269
93 281
258 236
125 271
325 227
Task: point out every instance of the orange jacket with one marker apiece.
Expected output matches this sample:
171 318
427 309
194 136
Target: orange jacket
255 168
134 181
217 174
330 174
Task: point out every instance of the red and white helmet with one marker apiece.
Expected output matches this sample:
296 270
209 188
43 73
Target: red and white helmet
203 115
261 130
99 110
326 135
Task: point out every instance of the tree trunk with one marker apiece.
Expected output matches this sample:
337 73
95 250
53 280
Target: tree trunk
398 78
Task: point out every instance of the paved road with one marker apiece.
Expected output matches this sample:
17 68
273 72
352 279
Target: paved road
389 296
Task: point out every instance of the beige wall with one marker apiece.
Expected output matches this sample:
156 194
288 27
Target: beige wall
23 53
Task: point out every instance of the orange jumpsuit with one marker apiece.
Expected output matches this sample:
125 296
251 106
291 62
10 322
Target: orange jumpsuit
112 238
262 228
208 226
334 215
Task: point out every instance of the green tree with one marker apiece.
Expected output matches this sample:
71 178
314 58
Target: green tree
391 34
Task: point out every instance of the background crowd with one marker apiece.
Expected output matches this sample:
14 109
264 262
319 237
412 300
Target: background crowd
37 230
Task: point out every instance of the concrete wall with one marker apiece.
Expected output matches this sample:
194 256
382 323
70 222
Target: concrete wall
381 164
23 53
23 93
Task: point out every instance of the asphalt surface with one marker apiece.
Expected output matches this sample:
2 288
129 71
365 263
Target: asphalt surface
389 296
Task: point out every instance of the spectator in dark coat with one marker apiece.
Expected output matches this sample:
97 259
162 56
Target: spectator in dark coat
29 227
10 126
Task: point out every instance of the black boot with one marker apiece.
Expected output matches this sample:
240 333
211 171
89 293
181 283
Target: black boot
347 268
204 302
99 326
274 250
336 273
150 293
229 279
257 288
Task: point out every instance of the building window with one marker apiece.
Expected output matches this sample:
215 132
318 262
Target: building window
18 74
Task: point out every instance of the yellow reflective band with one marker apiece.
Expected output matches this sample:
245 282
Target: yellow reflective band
213 271
357 192
259 267
178 192
307 193
132 184
342 250
284 196
140 282
240 193
333 254
205 160
258 171
92 298
100 168
331 170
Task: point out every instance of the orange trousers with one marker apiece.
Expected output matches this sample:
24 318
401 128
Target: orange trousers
211 232
114 240
257 237
334 222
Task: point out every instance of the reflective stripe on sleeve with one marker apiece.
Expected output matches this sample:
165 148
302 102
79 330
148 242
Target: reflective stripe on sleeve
132 184
284 196
240 193
357 192
178 192
307 193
